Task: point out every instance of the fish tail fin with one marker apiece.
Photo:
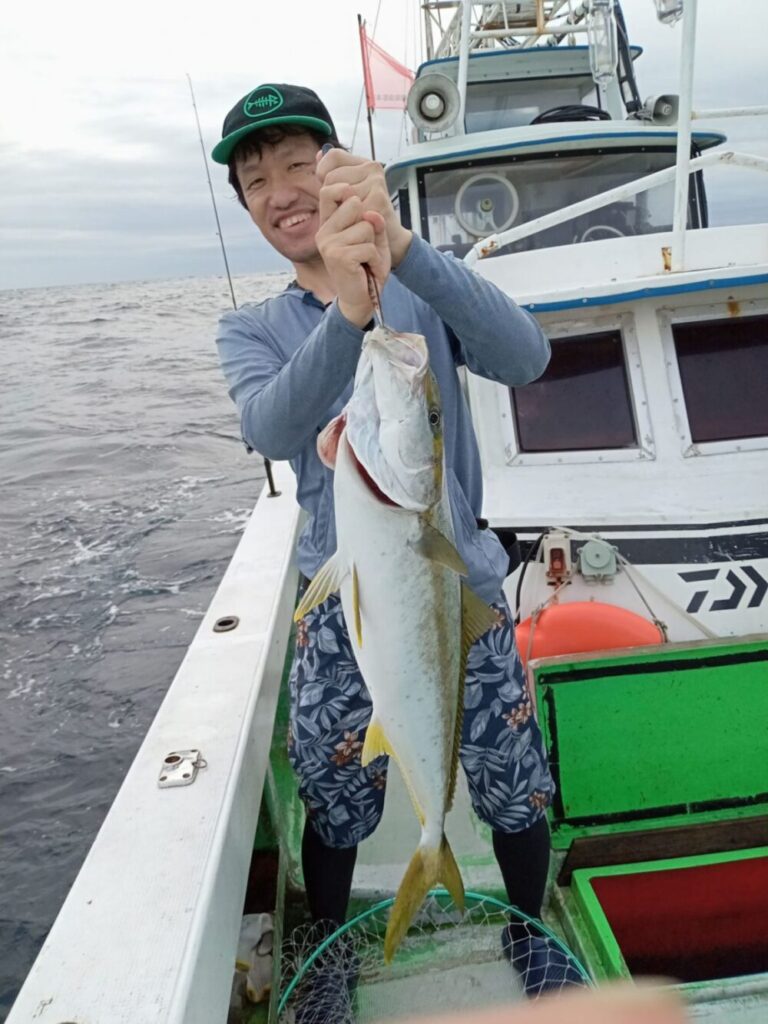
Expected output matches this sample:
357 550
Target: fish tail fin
429 866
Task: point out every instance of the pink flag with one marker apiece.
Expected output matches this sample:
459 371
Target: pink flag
387 81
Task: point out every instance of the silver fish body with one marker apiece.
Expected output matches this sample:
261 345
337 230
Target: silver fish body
410 617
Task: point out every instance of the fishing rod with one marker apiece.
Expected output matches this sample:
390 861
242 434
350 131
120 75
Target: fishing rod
272 493
210 188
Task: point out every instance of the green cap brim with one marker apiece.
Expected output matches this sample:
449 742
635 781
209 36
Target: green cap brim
223 151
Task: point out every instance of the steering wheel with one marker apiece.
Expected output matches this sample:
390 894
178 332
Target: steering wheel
600 231
572 112
486 202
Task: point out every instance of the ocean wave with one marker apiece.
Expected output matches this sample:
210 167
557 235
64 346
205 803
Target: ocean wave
123 498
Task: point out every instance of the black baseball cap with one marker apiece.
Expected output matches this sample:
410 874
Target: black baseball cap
267 105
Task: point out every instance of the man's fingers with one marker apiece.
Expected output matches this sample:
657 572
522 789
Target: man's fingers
354 234
375 219
333 198
353 174
336 217
335 159
357 254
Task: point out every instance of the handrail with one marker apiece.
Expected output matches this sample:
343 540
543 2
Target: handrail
683 149
494 242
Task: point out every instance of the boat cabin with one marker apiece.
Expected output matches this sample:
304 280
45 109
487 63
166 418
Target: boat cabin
570 141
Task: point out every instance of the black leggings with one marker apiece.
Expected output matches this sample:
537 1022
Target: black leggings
522 856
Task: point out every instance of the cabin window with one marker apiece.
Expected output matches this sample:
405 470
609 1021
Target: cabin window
461 204
582 400
724 375
490 106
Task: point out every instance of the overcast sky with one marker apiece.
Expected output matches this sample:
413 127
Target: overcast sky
101 175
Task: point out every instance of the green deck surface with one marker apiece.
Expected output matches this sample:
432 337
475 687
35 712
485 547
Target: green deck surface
636 741
645 738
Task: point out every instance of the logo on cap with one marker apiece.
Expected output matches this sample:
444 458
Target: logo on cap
262 101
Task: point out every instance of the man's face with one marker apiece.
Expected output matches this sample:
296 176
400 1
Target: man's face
281 191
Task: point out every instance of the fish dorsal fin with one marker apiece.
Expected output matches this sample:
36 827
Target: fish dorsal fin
433 545
326 581
356 606
477 618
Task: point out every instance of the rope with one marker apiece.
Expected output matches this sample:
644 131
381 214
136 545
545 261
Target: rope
536 614
661 626
630 570
626 565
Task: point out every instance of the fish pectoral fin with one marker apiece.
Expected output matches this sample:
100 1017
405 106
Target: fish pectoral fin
376 743
433 545
326 581
428 868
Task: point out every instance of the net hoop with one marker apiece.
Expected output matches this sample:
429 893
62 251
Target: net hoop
534 923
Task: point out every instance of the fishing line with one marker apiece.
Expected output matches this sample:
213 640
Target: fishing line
210 187
273 493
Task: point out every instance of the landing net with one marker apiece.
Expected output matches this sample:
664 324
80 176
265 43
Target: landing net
449 960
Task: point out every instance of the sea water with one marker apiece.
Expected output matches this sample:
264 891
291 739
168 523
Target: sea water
124 487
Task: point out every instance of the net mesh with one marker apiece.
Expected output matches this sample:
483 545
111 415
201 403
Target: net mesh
449 960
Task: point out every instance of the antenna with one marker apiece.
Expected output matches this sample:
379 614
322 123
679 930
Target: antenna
213 198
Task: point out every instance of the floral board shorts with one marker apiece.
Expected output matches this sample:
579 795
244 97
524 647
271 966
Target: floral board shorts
502 751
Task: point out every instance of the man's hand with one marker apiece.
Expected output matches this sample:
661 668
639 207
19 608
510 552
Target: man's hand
616 1004
350 237
365 179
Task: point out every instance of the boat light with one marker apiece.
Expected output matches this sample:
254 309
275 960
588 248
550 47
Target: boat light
603 41
669 11
557 556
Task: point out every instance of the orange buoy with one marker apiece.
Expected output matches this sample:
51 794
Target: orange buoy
578 626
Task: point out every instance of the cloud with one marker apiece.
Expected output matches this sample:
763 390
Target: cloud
101 175
68 217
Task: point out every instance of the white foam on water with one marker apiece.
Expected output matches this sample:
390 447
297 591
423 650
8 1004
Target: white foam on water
89 552
237 519
22 687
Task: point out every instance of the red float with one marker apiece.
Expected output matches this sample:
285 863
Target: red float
579 626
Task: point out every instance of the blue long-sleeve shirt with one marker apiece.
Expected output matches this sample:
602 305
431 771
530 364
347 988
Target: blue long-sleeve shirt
290 362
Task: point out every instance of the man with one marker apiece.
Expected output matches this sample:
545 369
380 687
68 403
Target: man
289 362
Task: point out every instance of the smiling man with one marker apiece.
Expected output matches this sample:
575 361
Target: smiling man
289 362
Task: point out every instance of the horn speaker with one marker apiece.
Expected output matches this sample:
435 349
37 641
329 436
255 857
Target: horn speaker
433 102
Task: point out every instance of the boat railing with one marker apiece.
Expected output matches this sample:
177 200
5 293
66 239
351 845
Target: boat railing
499 21
167 873
538 18
493 243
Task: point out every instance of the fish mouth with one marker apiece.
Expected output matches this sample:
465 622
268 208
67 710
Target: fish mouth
369 482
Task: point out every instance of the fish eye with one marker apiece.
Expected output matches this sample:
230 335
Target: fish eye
434 417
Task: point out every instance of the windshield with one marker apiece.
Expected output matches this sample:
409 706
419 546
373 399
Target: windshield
464 204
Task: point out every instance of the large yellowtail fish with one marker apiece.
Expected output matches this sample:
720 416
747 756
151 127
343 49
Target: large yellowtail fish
411 619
